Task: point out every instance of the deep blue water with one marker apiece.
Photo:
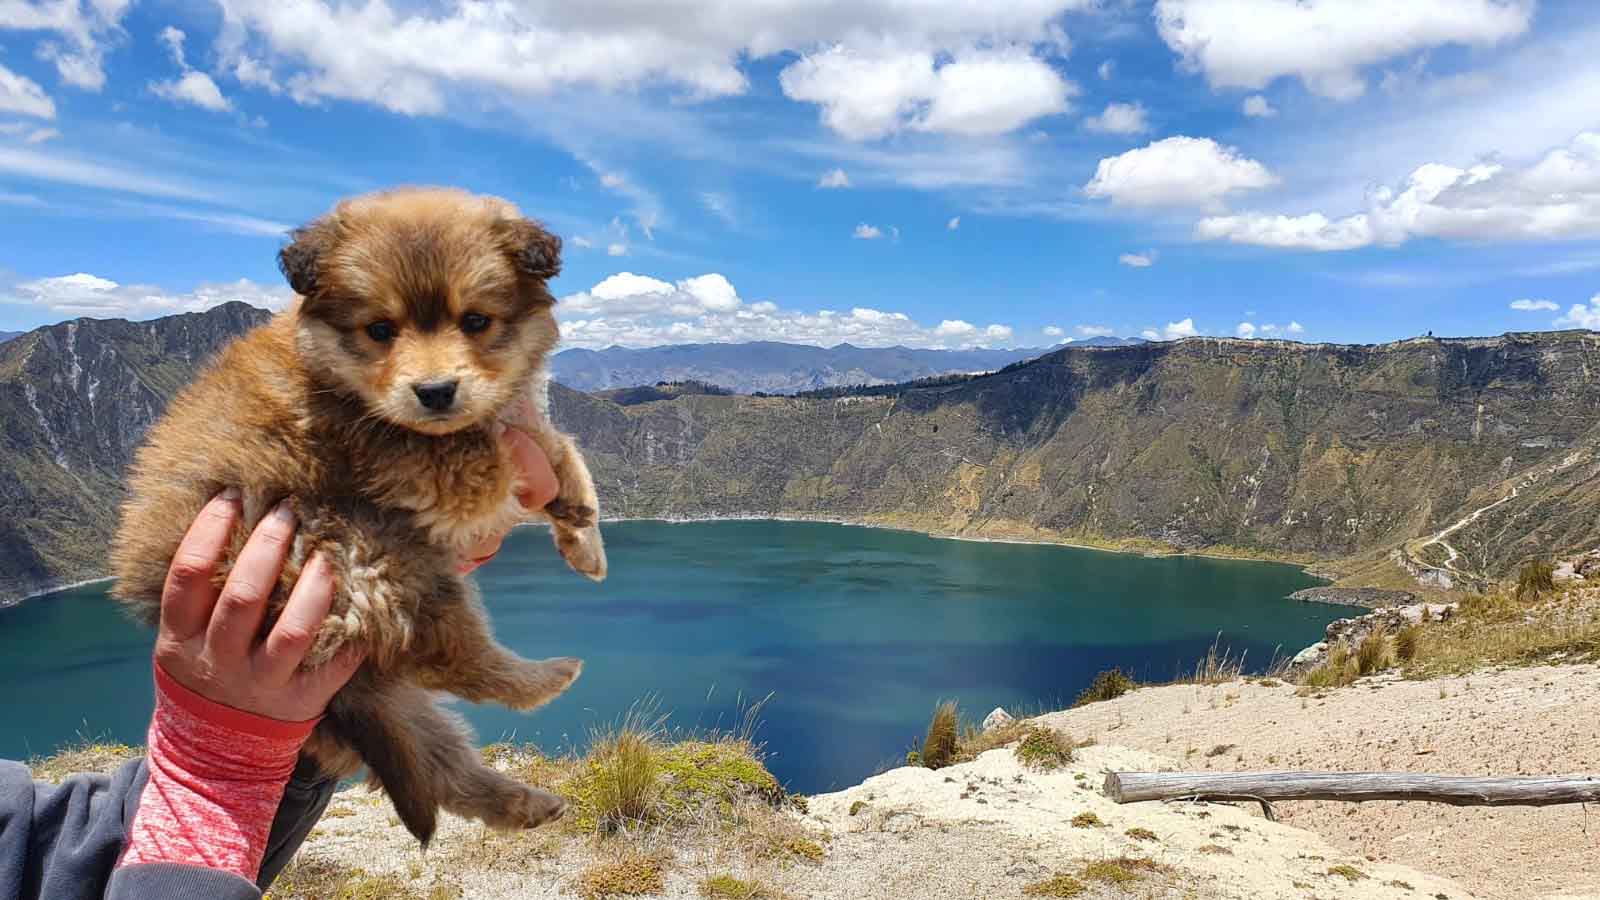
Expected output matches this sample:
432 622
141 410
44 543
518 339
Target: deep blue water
856 634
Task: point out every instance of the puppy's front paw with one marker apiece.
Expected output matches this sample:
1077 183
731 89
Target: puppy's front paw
574 514
583 550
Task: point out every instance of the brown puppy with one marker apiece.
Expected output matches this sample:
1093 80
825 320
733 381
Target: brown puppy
372 407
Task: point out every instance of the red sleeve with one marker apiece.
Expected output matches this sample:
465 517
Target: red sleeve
217 775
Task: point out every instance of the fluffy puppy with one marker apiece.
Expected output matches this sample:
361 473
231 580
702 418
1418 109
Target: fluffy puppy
372 407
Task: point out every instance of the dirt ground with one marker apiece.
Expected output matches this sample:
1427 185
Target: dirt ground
1528 721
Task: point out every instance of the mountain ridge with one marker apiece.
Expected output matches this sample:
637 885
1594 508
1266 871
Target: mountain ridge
1316 453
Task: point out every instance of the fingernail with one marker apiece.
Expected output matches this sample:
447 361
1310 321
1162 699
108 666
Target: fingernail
283 512
230 494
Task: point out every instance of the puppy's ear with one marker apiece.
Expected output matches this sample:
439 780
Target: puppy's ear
301 260
534 251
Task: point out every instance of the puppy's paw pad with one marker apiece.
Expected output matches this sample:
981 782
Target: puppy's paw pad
583 550
574 515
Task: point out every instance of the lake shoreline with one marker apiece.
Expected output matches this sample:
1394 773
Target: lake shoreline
1307 568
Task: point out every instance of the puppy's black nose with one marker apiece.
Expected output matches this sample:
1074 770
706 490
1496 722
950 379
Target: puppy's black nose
436 395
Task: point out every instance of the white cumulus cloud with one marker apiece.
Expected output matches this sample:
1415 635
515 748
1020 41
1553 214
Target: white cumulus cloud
634 310
865 232
1257 107
937 65
1053 331
1534 306
1094 331
1177 171
953 224
1554 197
1582 315
1173 332
191 87
1120 118
76 34
834 178
83 294
1138 260
23 96
868 95
1325 43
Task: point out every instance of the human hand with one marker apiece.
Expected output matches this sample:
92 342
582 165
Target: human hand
538 487
207 639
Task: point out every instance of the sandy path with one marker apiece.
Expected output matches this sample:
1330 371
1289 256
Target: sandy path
1543 720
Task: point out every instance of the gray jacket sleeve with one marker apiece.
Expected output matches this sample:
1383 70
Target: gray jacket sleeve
62 842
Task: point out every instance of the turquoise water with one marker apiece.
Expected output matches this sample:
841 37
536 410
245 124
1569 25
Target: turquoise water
855 633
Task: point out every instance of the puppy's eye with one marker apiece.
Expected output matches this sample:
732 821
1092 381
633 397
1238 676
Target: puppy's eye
472 323
382 332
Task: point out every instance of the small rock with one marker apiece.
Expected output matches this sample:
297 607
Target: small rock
998 718
1311 654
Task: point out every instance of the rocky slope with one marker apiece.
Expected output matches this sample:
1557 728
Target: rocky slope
1315 452
1470 454
75 400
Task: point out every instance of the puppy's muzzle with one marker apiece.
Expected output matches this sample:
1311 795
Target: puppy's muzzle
436 396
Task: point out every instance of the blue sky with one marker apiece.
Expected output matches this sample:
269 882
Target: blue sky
926 172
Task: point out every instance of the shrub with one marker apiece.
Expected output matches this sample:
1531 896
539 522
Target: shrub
1348 873
1374 654
944 729
1059 886
1044 748
1087 820
1536 577
1407 641
1108 685
1142 834
1120 870
628 875
727 887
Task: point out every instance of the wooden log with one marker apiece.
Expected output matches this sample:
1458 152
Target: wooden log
1353 787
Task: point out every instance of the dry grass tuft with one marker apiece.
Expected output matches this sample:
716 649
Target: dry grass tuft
1218 666
1122 870
1374 654
1406 641
1087 820
727 887
1058 886
1142 834
320 879
1496 630
940 747
630 874
1348 873
1536 578
99 756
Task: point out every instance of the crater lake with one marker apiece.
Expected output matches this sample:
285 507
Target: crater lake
851 634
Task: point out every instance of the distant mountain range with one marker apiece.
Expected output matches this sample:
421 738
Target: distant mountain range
777 368
8 335
1455 458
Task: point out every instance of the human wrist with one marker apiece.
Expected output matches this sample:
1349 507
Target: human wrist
216 775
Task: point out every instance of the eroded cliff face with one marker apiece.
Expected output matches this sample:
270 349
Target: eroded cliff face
1314 452
1310 451
75 400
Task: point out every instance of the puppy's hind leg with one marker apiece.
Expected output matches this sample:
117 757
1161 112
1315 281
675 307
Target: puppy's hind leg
424 760
456 652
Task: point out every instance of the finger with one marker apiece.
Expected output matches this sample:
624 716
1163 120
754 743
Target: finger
255 573
478 554
297 627
325 680
539 485
188 594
